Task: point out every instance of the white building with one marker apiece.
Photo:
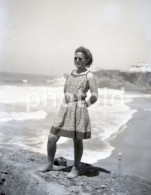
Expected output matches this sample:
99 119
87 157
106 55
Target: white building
140 68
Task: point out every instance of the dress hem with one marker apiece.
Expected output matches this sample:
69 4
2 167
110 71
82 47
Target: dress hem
70 134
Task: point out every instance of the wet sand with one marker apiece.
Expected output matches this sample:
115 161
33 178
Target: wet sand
132 145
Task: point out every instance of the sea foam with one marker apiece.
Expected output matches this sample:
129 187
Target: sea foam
108 115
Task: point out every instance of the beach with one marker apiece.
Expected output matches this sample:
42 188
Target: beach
132 154
31 124
120 141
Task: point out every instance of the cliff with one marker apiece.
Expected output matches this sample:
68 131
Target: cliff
129 80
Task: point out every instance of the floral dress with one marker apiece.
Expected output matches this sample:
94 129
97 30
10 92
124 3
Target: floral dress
73 119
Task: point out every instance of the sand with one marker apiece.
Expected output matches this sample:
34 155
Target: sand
133 142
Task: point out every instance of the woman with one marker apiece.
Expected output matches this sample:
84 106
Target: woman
73 119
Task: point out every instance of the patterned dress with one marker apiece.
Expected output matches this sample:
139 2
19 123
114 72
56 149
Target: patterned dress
73 119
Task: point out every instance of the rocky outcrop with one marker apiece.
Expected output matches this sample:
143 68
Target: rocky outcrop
19 175
129 80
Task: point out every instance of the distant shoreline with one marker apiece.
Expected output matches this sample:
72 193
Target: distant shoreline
133 143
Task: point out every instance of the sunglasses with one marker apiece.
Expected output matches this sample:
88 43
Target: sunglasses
77 58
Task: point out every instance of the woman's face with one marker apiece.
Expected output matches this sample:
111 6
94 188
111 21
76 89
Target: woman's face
80 60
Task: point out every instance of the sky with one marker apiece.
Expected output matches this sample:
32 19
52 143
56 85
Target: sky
40 36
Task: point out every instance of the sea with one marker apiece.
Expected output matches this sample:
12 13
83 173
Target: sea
29 105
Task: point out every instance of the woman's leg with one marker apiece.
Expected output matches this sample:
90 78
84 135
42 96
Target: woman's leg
51 150
51 147
78 151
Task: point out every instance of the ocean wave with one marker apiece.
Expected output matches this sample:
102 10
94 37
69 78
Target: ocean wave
20 116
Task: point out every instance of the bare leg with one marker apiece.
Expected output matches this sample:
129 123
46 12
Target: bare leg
51 150
78 151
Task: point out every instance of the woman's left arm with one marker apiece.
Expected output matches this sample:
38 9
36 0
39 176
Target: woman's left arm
93 89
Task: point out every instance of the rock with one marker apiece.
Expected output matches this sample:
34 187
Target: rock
82 184
31 159
103 186
4 172
60 161
92 180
